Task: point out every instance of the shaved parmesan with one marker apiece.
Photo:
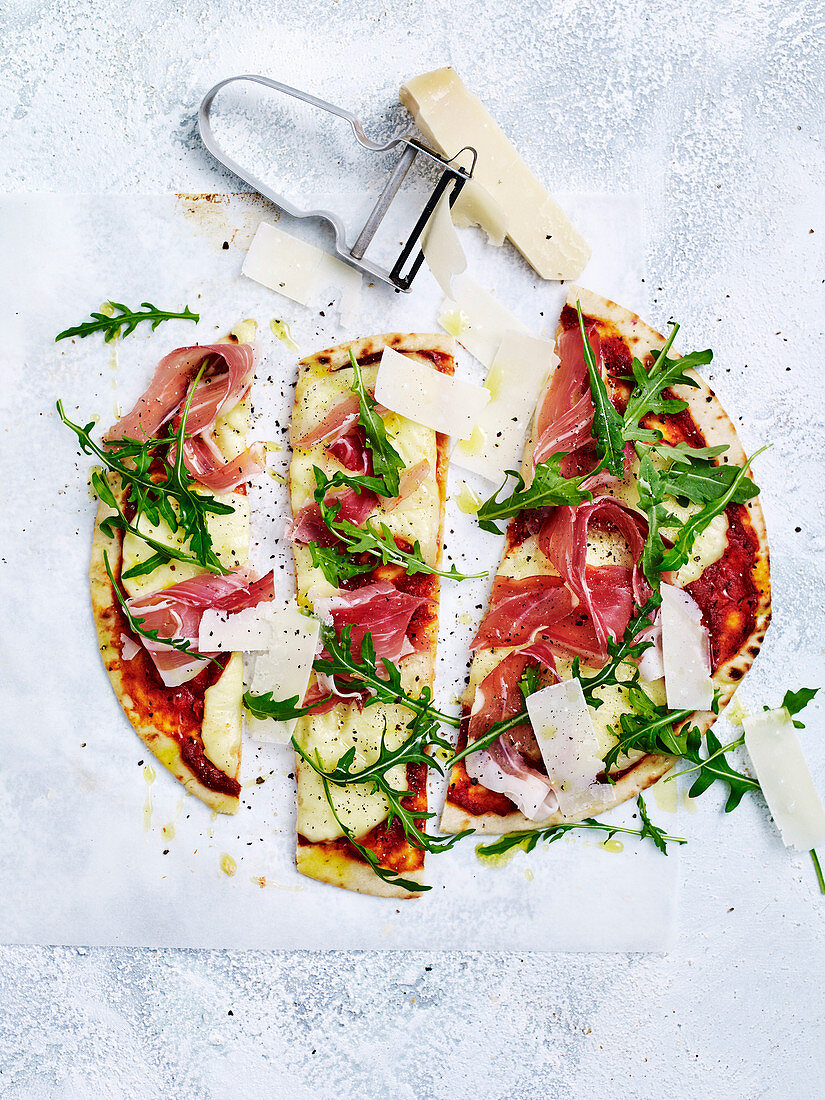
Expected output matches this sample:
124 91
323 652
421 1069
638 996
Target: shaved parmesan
129 649
300 271
485 321
248 631
569 747
780 767
283 669
441 246
515 380
451 118
425 395
476 206
685 652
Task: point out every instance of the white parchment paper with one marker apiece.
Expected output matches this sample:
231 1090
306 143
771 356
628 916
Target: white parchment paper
93 851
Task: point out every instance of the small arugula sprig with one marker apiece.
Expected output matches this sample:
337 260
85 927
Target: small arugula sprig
529 840
423 735
607 422
629 649
384 681
387 463
282 710
125 319
336 565
647 398
379 542
548 488
182 645
159 490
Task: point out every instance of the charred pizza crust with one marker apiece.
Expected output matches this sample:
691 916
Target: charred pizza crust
336 861
703 423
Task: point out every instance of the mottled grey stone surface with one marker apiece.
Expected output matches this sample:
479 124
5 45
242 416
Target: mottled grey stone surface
714 113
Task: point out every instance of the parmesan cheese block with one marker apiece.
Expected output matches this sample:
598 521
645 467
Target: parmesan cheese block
450 117
515 380
780 767
300 271
421 393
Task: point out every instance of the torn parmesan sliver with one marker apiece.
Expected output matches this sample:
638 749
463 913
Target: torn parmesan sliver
564 731
421 393
685 652
515 380
283 670
441 246
129 649
300 271
248 631
476 206
484 320
451 118
780 767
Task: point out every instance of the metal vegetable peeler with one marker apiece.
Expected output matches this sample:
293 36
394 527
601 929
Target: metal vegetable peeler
410 258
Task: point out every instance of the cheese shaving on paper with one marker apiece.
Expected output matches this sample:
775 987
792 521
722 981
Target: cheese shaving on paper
685 652
300 271
780 767
451 118
515 380
485 321
283 669
564 731
426 396
248 631
441 246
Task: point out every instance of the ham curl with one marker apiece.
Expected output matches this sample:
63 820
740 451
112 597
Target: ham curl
607 597
176 612
308 524
520 609
227 378
352 452
337 423
378 609
502 766
565 411
204 461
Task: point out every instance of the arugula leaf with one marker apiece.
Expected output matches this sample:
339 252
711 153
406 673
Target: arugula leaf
387 463
384 682
688 532
529 840
336 565
795 701
700 481
282 710
369 856
820 878
647 394
368 539
684 454
607 422
548 488
618 653
110 324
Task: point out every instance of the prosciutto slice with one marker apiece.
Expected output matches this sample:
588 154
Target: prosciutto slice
502 766
606 596
308 524
565 411
377 608
203 459
337 423
352 452
520 609
175 613
227 378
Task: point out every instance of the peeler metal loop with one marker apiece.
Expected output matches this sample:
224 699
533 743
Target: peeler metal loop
410 258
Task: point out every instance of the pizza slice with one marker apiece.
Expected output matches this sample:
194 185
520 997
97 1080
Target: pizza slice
590 552
375 607
171 539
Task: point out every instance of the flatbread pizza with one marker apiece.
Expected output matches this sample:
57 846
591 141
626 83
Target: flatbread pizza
571 581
